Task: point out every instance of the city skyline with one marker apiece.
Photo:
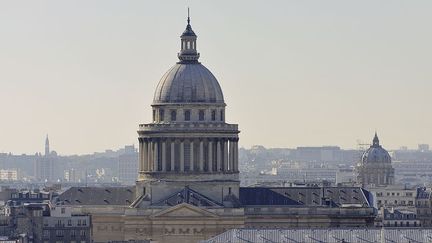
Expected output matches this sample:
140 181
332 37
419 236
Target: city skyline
60 77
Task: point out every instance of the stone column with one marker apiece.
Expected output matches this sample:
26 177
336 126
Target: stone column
141 155
236 161
201 156
145 154
156 156
182 156
218 155
231 155
163 156
225 155
191 156
172 155
150 155
210 156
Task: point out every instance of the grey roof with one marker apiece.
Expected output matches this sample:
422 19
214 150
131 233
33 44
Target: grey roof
332 235
188 83
305 196
188 31
98 196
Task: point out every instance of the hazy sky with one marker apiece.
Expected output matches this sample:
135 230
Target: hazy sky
294 73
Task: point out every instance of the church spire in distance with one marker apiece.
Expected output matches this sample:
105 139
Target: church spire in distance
188 52
47 150
375 142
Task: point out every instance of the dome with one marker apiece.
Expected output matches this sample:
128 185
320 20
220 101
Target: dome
376 153
188 83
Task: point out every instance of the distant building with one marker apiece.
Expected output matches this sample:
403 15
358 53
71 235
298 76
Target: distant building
424 206
64 226
47 223
8 175
44 166
319 154
375 168
128 165
394 196
71 175
423 147
400 218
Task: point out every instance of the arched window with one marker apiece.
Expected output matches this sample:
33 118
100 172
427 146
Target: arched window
187 115
173 115
201 115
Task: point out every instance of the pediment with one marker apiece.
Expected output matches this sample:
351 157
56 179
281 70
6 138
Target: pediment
184 210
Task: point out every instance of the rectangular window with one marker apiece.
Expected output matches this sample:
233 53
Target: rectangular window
187 115
222 115
63 210
46 234
82 233
161 115
154 115
72 233
59 233
213 115
173 115
69 222
201 115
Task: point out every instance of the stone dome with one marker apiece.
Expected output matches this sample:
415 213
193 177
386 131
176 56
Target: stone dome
376 153
188 83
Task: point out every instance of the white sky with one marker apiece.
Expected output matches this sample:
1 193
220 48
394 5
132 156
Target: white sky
294 73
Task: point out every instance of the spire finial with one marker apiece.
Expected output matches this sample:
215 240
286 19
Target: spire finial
188 20
375 141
